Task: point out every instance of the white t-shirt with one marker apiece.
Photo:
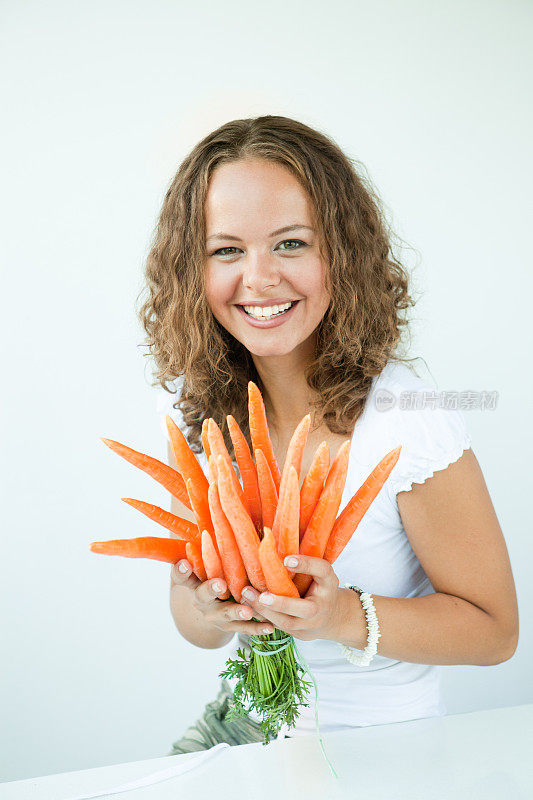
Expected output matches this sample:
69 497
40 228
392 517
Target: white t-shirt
401 408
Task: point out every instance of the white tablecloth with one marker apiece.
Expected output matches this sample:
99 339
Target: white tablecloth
483 755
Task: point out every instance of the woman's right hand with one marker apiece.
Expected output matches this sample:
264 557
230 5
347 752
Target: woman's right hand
223 615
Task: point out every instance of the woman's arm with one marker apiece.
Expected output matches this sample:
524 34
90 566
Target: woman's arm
472 618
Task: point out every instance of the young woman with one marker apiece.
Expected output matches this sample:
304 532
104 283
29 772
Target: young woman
272 262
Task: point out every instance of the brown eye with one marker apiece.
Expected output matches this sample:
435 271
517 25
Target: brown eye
296 241
223 251
219 251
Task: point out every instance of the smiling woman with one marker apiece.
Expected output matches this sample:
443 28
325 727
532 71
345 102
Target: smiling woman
261 272
315 322
221 244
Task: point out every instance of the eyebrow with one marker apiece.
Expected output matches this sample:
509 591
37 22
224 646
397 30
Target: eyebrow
286 229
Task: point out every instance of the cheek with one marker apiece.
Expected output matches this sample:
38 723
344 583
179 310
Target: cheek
218 288
311 282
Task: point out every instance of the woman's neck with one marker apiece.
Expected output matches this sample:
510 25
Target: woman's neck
287 396
287 399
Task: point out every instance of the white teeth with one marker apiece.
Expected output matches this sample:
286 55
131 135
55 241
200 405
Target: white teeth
267 311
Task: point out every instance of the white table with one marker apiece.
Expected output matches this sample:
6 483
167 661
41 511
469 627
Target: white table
484 755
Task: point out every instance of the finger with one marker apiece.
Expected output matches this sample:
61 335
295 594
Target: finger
251 628
250 595
293 606
209 591
238 618
319 568
285 622
181 574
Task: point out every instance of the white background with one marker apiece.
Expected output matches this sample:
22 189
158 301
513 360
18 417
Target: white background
101 101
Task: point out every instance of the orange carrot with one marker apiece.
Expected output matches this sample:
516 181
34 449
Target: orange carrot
169 550
356 508
276 575
185 458
181 527
212 562
267 489
200 507
243 527
162 473
294 456
230 555
289 515
212 466
317 532
218 448
194 555
313 485
205 438
259 432
248 471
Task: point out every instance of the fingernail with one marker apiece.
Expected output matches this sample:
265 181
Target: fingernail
267 630
183 568
291 561
217 587
248 594
243 614
266 599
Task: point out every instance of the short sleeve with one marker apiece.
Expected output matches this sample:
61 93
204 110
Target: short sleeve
431 440
164 403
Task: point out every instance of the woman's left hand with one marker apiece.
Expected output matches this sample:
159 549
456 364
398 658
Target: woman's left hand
317 615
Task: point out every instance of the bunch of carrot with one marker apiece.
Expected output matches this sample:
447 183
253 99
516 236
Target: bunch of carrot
245 529
243 532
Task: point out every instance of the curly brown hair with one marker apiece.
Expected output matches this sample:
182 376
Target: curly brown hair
359 332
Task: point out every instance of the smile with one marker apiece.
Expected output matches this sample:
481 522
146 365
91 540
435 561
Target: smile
271 321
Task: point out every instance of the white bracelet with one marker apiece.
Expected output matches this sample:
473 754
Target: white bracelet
372 626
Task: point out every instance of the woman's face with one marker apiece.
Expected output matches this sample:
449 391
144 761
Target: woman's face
251 262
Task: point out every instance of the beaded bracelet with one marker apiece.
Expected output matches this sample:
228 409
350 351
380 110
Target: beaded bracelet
372 626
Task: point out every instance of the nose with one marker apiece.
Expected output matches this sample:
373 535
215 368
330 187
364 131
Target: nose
260 272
